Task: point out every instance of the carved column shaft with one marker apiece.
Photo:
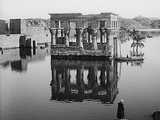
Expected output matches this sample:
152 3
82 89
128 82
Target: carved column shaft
102 35
94 39
85 36
80 82
79 37
53 36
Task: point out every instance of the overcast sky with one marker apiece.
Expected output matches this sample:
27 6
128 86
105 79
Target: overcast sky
41 8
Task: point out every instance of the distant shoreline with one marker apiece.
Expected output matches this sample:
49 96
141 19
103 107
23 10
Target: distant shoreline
149 30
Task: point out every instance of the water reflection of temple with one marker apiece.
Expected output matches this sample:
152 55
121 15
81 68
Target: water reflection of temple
84 80
28 55
18 59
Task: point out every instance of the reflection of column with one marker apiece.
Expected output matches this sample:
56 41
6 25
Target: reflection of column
67 82
54 78
115 70
60 80
112 79
54 87
94 39
95 84
92 77
89 78
102 76
79 37
19 65
108 73
108 85
80 82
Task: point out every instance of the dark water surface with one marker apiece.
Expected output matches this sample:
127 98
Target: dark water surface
35 86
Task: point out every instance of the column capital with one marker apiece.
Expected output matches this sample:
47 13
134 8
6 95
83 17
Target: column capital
52 30
102 29
94 32
79 30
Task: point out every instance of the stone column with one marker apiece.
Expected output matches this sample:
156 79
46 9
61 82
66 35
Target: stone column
66 33
53 36
115 47
85 36
79 37
107 32
62 32
59 24
56 35
102 35
89 38
94 39
58 32
107 45
89 30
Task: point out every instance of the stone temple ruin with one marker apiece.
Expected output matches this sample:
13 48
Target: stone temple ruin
74 34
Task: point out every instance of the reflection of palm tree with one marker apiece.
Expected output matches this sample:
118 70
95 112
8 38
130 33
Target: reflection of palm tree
136 45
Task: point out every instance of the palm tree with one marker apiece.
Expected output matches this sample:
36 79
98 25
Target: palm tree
137 42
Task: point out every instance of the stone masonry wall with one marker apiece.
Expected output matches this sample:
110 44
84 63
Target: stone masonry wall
3 27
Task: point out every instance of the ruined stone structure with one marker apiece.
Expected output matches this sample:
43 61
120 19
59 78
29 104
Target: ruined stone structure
3 27
36 29
89 34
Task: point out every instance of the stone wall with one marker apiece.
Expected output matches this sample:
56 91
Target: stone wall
39 34
36 29
3 27
15 26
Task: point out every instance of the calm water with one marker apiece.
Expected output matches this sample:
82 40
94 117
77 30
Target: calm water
35 86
